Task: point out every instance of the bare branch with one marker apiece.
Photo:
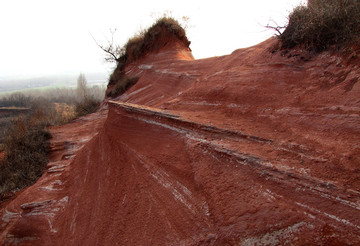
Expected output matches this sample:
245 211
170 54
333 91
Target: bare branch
276 28
113 52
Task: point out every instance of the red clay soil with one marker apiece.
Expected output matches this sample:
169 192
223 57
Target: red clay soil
254 148
28 219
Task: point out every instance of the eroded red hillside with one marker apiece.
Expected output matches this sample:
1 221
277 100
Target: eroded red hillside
254 148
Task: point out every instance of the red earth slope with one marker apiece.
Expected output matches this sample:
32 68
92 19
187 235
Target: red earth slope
253 148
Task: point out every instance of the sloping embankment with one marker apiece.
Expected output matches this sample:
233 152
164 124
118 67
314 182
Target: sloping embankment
171 181
246 149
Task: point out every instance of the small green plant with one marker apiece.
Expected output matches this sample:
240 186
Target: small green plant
321 24
26 149
122 85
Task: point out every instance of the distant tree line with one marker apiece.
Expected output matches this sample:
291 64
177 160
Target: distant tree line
25 139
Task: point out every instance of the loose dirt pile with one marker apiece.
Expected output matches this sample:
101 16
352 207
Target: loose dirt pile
254 148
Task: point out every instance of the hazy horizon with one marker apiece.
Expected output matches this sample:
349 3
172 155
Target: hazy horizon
11 85
42 38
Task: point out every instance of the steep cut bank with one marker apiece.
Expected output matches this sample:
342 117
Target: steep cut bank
253 148
29 218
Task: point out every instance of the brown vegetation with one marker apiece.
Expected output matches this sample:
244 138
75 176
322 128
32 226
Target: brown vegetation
158 35
26 147
321 24
121 85
164 31
86 103
63 113
58 104
24 138
87 106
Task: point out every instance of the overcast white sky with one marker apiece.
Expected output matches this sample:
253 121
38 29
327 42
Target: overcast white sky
42 37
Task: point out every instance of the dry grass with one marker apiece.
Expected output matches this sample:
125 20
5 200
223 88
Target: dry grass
321 24
26 148
163 31
64 113
122 85
24 137
87 106
150 39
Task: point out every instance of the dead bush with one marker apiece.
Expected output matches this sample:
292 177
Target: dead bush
163 31
26 149
63 113
87 106
321 24
122 85
150 39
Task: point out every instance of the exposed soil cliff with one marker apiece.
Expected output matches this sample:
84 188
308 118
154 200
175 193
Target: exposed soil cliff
253 148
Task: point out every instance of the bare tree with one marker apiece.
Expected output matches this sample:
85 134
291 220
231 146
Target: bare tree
82 90
276 27
112 51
